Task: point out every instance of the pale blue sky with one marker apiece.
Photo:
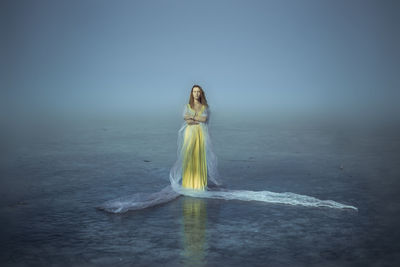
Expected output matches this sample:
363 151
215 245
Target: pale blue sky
256 56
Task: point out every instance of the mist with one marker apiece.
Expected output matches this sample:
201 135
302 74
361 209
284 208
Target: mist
303 97
264 58
70 62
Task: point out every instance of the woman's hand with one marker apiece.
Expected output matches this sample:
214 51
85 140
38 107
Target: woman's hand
191 122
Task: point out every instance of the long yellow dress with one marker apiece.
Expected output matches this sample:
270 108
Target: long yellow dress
194 167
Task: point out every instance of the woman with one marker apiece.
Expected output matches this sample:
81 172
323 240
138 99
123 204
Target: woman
195 170
194 158
196 162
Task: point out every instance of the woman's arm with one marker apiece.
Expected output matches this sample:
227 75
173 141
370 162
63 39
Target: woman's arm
188 117
191 121
200 118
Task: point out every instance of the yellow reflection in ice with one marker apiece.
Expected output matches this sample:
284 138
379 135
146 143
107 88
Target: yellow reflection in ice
194 231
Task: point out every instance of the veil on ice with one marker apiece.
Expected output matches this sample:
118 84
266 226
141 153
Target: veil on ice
214 189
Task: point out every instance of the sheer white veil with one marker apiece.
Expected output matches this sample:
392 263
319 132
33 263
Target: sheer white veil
213 177
216 188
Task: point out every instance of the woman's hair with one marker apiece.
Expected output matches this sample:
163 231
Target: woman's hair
203 99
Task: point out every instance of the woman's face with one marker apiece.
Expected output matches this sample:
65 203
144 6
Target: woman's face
196 93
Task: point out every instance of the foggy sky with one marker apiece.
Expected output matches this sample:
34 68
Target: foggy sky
249 56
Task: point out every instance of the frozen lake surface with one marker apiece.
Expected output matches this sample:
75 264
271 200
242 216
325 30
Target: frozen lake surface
52 181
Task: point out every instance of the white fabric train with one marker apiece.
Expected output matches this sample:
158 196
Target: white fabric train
215 187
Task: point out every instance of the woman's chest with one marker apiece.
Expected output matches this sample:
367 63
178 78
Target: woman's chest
196 109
